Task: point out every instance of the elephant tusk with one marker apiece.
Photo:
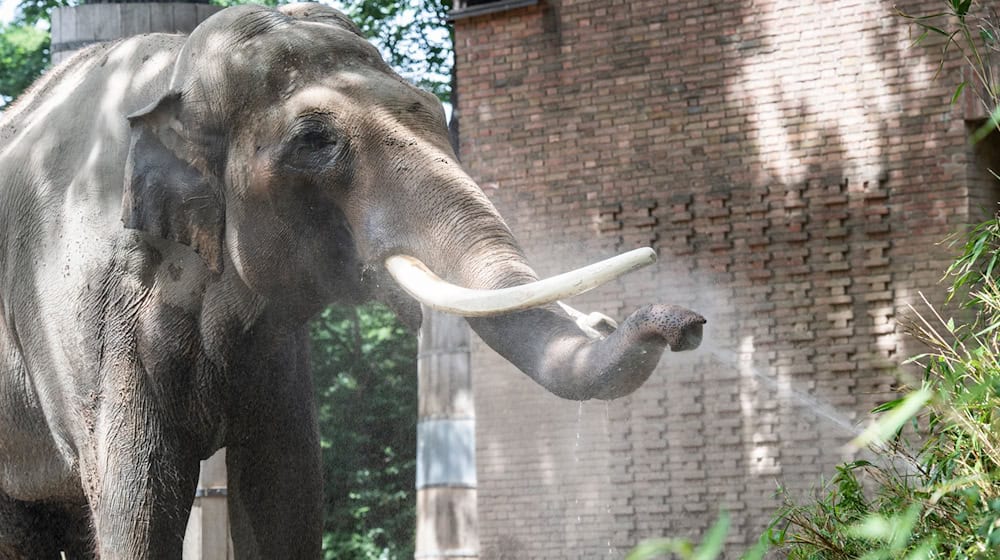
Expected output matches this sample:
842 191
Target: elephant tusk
595 325
429 289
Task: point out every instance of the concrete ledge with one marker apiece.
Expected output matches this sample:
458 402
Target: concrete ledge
491 8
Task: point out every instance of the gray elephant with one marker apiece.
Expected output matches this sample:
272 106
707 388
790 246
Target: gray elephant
172 211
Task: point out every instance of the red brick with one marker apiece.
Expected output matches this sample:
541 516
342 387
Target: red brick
796 186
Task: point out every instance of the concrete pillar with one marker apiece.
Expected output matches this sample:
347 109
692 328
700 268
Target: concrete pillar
447 522
76 27
207 535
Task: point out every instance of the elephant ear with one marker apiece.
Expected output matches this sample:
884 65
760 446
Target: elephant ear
165 194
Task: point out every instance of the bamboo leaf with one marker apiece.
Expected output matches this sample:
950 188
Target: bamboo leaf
873 527
988 329
923 552
759 550
958 91
652 548
887 406
711 546
894 531
938 30
883 429
987 127
903 14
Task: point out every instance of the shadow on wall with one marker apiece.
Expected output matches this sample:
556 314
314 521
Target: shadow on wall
796 178
818 224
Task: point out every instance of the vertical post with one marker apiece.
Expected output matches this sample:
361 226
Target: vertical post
447 523
207 536
75 27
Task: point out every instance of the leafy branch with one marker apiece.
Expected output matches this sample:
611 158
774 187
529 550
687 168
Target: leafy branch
974 31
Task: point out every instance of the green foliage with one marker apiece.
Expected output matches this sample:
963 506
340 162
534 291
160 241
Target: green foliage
943 500
414 37
896 414
710 548
33 12
23 57
24 47
977 262
364 367
973 31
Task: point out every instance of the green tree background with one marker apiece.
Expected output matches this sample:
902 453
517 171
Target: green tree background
364 367
364 362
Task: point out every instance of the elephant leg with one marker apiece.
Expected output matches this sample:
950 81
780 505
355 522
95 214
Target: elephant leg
276 492
144 498
31 530
273 454
140 480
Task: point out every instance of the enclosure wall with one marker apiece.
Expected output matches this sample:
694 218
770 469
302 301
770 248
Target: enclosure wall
796 166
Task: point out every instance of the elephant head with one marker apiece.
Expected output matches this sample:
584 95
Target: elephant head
286 149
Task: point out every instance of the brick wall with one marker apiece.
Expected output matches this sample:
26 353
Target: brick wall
795 165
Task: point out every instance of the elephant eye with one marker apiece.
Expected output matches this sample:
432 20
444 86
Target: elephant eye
313 146
314 139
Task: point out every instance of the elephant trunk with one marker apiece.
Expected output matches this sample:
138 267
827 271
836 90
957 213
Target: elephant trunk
541 341
550 349
474 248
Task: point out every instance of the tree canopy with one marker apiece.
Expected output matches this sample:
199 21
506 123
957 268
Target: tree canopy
364 367
23 56
24 47
414 38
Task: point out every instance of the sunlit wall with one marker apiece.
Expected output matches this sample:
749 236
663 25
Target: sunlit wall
795 165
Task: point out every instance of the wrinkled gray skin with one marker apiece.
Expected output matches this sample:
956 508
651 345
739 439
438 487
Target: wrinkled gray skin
263 167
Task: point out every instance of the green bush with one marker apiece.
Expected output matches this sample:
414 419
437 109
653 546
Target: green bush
941 500
23 57
709 549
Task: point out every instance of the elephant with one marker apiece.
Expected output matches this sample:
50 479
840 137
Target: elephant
173 210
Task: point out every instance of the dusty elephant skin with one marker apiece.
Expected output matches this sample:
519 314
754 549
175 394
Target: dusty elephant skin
172 211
